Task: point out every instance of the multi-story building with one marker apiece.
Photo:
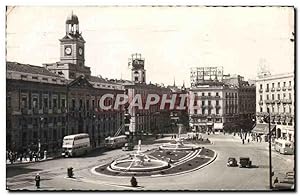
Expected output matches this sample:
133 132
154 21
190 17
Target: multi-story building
246 104
226 102
275 93
153 120
36 107
218 107
46 103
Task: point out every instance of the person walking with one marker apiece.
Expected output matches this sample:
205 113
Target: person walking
37 180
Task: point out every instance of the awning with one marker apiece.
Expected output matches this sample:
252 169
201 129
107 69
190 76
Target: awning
218 125
262 128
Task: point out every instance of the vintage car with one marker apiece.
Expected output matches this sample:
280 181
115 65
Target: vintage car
232 162
128 147
245 162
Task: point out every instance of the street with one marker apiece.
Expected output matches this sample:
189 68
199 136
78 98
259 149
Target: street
215 176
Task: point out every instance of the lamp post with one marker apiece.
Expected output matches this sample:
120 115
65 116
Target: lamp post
270 150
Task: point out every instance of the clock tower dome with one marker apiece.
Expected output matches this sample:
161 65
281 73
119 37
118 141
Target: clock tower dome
72 44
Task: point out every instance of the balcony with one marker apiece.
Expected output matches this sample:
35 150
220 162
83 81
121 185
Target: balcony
278 89
284 88
260 90
35 110
272 89
45 110
54 109
290 88
26 111
286 101
261 102
278 102
267 90
270 101
218 106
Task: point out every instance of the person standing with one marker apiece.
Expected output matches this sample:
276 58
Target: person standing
37 180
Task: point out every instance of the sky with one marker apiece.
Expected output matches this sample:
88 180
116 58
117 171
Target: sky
171 39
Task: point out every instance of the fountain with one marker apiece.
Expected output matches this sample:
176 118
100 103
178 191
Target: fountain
138 162
178 144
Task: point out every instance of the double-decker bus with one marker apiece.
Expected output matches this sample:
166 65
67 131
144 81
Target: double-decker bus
76 145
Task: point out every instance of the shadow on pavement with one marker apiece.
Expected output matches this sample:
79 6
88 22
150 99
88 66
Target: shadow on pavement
20 169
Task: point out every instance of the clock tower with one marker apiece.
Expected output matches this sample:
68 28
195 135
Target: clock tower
72 44
138 72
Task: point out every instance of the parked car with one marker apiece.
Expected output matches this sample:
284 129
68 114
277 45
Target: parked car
245 162
232 162
128 147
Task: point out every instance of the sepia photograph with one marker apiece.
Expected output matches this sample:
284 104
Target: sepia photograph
150 98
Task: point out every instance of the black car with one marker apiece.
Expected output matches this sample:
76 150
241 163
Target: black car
245 162
232 162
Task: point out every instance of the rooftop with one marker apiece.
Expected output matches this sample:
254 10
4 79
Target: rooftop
27 68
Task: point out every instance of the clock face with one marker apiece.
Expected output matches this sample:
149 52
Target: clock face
68 50
80 50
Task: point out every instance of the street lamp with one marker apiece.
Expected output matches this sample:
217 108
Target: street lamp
270 149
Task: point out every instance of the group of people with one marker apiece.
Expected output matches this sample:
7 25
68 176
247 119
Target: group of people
14 156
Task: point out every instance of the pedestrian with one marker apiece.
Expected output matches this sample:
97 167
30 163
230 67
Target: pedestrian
37 180
243 141
21 157
30 156
276 180
248 140
133 181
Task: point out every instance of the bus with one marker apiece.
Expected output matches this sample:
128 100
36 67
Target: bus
76 145
284 147
115 142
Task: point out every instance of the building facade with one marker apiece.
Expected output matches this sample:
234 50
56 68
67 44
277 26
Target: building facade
226 102
36 105
46 103
275 93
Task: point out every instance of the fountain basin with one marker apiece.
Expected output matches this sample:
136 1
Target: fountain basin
126 165
171 146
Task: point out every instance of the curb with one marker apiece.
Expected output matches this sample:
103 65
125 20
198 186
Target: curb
167 175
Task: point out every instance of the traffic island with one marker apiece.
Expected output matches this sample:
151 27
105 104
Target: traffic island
159 162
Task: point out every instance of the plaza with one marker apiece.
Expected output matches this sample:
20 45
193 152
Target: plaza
215 176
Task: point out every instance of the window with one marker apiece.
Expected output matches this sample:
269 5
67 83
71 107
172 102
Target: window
261 109
217 111
73 104
63 103
24 102
209 102
272 108
267 86
203 102
203 94
203 111
283 109
54 103
290 83
217 94
80 104
35 103
8 102
209 94
209 111
278 96
290 96
278 84
272 85
217 102
283 95
283 84
260 98
272 96
267 97
260 86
